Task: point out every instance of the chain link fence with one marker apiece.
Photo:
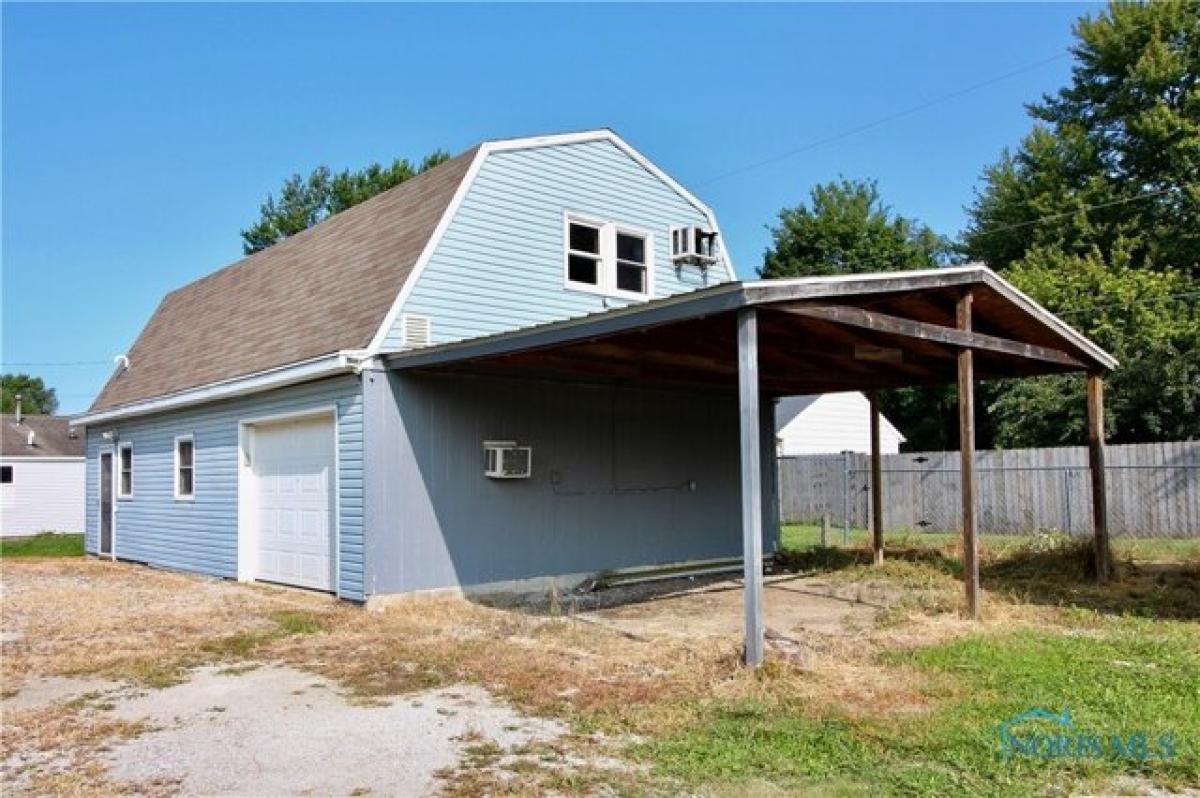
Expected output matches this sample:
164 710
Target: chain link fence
1153 491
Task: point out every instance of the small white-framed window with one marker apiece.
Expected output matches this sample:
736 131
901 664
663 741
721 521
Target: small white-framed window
585 261
185 468
607 258
125 471
631 272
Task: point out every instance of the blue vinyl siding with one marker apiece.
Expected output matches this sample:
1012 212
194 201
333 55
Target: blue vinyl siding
202 535
500 264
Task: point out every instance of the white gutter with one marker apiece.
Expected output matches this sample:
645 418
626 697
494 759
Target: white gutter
325 366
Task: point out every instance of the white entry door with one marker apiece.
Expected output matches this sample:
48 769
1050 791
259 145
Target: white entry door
293 466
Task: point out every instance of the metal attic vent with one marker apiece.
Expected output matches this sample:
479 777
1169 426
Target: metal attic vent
416 331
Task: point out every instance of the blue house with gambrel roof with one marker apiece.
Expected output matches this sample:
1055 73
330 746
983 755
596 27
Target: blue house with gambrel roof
528 365
233 441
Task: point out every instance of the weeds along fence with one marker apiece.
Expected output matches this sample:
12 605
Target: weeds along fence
1153 490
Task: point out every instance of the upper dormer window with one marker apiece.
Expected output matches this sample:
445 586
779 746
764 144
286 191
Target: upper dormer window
583 254
608 258
631 262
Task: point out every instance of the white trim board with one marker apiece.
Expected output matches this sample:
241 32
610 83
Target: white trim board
111 451
304 371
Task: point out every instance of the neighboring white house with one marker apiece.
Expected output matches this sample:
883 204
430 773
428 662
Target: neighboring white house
41 476
830 423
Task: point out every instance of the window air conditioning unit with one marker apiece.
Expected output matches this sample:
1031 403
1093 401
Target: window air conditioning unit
693 244
507 460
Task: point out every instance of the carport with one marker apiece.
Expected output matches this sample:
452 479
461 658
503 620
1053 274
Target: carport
769 339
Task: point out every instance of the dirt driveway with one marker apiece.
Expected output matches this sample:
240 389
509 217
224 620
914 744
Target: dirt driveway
119 678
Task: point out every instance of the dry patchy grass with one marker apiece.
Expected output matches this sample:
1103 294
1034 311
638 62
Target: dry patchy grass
52 751
129 622
87 617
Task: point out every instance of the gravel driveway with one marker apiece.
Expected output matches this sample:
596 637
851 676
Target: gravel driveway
118 678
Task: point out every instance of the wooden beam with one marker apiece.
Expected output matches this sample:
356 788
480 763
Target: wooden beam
838 341
1095 413
629 354
752 497
876 482
966 446
920 330
878 354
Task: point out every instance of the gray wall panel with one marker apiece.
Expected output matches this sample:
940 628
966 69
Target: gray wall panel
610 484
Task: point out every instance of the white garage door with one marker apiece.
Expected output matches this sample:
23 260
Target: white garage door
294 468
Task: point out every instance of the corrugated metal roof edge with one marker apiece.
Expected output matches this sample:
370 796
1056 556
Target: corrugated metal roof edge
730 296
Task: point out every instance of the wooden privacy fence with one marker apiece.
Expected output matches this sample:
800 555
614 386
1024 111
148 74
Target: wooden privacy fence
1153 490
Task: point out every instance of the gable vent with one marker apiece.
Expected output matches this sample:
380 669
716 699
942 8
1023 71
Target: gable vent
416 331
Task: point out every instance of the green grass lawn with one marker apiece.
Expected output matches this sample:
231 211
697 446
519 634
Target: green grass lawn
1138 681
1121 660
47 544
808 536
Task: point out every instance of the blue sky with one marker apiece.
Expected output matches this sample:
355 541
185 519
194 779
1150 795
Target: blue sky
139 139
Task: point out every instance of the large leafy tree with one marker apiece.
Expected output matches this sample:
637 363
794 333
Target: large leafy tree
1122 141
1149 319
1097 215
35 396
845 228
304 201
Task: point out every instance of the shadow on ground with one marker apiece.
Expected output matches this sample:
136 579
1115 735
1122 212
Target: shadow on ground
1057 573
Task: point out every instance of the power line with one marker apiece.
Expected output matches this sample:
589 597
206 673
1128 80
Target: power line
1048 218
885 119
901 114
1097 206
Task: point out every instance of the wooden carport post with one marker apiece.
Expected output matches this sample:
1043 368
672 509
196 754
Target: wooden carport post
752 500
1095 413
966 446
876 482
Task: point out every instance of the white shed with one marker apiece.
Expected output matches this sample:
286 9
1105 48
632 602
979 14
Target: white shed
830 423
41 476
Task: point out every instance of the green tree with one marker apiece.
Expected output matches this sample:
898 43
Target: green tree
35 396
1148 319
1124 135
304 201
1097 215
846 228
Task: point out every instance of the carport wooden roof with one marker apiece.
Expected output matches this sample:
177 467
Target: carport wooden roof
815 335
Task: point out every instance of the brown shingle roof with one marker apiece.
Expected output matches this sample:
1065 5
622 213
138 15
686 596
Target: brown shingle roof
321 291
52 437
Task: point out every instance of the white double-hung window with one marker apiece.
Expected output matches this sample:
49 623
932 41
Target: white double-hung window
607 258
125 471
185 468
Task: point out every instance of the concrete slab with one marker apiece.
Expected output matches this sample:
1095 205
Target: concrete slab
712 607
279 731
